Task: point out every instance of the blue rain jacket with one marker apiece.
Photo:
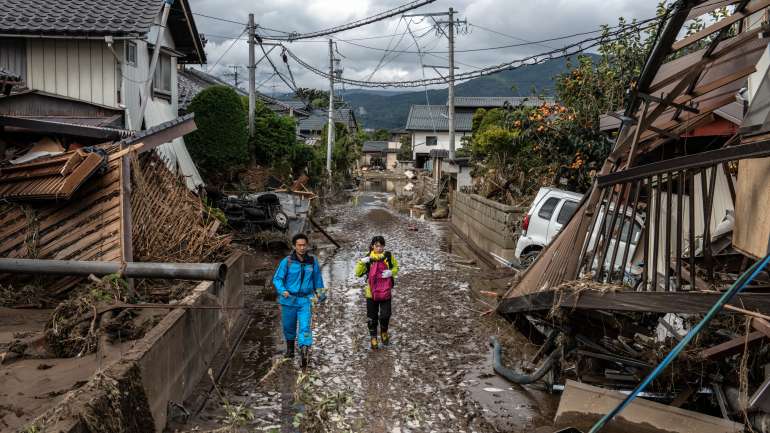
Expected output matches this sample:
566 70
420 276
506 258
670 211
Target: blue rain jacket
300 279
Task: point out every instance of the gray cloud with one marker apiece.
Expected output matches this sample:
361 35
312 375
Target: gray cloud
528 20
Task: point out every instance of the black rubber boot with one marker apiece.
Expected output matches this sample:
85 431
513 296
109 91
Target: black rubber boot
304 356
289 349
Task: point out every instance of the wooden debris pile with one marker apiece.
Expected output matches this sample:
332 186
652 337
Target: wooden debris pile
170 224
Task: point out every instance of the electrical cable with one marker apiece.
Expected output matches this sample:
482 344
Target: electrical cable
511 36
293 36
422 69
275 69
638 25
228 49
569 50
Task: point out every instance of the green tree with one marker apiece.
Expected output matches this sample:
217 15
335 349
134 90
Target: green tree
380 135
220 144
316 98
405 151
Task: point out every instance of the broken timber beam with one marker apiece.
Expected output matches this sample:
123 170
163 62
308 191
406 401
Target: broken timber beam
731 347
654 302
180 271
318 226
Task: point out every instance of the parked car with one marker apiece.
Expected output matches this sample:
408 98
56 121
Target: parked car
550 210
254 213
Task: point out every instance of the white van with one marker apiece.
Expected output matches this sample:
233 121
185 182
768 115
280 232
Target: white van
551 209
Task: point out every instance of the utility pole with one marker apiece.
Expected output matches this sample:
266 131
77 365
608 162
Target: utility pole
451 98
252 73
233 74
450 79
330 127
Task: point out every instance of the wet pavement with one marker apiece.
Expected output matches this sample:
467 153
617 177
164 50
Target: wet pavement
436 375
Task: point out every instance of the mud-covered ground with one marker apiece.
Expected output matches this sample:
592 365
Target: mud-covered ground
436 375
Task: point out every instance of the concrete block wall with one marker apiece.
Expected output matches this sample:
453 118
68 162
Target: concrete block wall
180 353
486 224
170 359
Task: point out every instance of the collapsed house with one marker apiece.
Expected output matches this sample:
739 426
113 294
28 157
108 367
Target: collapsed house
677 213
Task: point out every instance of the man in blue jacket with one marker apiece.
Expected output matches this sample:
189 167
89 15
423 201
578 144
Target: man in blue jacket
298 280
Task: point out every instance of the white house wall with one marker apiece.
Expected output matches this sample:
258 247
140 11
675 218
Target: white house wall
135 77
80 69
442 138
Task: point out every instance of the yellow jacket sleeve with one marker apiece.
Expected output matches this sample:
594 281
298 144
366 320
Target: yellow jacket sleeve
360 269
394 262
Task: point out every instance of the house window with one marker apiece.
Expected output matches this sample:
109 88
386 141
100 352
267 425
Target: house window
131 53
162 80
431 140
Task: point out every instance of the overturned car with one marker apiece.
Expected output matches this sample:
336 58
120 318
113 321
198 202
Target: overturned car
254 213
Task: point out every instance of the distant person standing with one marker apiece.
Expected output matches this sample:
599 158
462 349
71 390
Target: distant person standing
298 280
380 268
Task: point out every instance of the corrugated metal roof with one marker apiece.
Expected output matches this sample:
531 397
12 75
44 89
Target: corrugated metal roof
106 17
499 101
434 117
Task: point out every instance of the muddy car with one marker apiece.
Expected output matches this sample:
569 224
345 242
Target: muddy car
255 213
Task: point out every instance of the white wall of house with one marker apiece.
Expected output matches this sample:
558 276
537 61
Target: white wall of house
419 139
80 69
135 76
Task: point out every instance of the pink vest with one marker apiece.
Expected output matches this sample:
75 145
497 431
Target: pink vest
380 286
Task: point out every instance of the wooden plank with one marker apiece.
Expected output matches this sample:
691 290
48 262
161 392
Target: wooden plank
709 6
96 237
97 72
61 70
581 405
50 216
731 347
73 69
719 25
761 325
84 51
69 233
655 302
79 175
752 207
49 63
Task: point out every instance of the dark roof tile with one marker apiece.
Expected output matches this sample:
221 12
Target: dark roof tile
71 17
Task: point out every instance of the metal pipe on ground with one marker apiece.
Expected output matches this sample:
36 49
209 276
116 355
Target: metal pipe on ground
171 271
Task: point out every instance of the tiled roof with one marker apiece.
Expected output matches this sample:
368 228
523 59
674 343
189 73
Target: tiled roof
318 119
434 117
498 101
191 81
105 17
375 146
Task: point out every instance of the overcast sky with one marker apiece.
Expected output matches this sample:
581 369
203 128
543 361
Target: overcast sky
517 20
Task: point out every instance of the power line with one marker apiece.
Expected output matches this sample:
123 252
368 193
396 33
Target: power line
471 50
232 44
293 36
277 72
509 36
219 19
569 50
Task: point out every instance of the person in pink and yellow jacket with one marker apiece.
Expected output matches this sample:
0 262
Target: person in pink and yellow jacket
380 268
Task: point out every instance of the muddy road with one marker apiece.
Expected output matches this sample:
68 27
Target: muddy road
435 376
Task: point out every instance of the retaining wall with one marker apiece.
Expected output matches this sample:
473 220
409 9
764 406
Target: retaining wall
166 363
488 226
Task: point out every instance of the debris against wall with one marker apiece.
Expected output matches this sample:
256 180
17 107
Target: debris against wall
170 224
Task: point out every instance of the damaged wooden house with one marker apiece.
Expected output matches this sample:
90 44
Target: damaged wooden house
95 181
678 212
